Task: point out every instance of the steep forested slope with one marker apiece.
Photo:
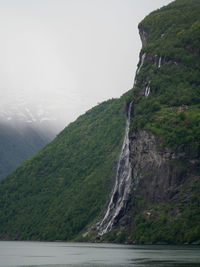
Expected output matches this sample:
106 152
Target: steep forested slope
62 189
171 69
165 130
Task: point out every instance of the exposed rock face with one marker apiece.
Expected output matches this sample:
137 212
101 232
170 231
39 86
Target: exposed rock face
163 204
158 172
160 176
143 36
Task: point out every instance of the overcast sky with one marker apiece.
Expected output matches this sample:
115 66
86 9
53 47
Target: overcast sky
69 55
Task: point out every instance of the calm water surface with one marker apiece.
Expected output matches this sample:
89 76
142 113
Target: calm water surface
57 254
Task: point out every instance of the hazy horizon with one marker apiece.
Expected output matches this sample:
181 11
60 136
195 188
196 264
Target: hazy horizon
67 56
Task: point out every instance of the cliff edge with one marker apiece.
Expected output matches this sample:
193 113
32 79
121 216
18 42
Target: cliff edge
164 206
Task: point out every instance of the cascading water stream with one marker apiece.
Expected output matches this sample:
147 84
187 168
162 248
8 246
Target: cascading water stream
122 188
147 90
123 183
142 62
159 62
139 67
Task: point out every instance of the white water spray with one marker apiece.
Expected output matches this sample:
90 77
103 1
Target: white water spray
122 188
147 90
159 62
141 64
139 67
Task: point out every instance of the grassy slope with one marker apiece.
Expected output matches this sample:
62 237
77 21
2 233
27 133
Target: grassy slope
54 195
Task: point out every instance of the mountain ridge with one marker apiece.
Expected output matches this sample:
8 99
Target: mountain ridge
164 142
65 190
47 186
25 130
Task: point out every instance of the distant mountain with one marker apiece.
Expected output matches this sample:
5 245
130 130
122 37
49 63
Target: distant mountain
20 111
23 133
127 170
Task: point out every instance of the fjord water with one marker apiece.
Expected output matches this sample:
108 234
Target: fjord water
61 254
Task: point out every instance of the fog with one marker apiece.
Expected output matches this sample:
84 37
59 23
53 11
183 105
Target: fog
65 56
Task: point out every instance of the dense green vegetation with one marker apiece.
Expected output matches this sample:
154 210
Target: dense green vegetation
175 222
63 189
173 31
172 112
58 192
164 228
172 108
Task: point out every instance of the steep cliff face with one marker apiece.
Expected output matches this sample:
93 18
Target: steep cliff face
68 191
160 174
164 205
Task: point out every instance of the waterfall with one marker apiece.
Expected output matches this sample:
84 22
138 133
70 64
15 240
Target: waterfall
122 188
160 62
123 183
141 64
147 90
139 67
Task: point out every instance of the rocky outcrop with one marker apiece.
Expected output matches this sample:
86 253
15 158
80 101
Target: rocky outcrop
161 177
163 204
143 36
159 172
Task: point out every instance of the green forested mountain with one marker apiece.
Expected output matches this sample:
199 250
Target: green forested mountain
171 110
58 192
62 192
165 130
